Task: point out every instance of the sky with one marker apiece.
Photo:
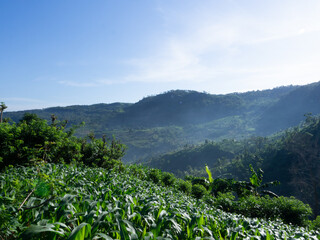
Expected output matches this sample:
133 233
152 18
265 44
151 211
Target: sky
82 52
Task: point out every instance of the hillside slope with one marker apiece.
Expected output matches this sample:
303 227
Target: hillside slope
165 122
291 157
290 109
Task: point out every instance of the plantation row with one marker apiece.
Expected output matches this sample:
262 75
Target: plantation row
76 202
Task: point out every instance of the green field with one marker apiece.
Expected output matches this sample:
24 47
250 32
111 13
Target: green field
77 202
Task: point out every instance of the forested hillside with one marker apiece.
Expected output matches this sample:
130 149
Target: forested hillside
289 110
165 122
291 157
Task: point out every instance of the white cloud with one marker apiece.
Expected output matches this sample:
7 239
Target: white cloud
250 43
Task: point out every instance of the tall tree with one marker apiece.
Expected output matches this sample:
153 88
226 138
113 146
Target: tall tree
3 106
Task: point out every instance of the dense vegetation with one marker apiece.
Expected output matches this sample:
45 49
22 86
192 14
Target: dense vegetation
74 202
165 122
42 197
33 140
291 157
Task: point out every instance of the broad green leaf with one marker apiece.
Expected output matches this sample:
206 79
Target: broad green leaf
209 174
36 229
81 232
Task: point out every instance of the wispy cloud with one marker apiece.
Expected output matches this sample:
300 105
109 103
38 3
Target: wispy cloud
247 45
15 99
78 84
92 83
238 43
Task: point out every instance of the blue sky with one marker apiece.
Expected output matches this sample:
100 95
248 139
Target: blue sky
59 53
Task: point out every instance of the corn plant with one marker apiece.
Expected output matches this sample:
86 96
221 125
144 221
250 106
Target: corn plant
76 202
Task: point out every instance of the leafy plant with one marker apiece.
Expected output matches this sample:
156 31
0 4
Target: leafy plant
168 179
154 175
93 203
32 141
198 191
184 186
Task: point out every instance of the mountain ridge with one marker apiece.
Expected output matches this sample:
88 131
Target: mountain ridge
169 120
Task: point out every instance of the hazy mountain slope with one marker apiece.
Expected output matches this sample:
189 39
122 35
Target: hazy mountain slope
190 157
180 108
290 109
291 157
96 114
167 121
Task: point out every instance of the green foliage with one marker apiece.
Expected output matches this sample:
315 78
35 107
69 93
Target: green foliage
92 203
154 175
198 191
315 224
290 210
221 185
29 117
209 174
168 179
184 186
224 201
33 140
256 178
138 171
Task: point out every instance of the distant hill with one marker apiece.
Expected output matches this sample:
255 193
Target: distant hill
180 108
165 122
290 109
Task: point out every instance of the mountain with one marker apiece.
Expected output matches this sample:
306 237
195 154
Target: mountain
165 122
290 109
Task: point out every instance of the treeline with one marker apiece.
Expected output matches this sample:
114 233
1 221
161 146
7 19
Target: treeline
33 139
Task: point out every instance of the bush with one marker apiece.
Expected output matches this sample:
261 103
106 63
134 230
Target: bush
33 140
315 224
224 201
290 210
154 175
293 210
184 186
137 170
168 179
198 191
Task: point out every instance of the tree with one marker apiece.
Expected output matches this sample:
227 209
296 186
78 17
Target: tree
303 143
29 117
2 108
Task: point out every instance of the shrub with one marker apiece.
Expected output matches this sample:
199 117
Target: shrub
198 191
33 140
315 224
293 210
184 186
224 201
290 210
154 175
168 179
137 170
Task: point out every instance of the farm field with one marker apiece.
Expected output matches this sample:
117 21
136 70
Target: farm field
76 202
